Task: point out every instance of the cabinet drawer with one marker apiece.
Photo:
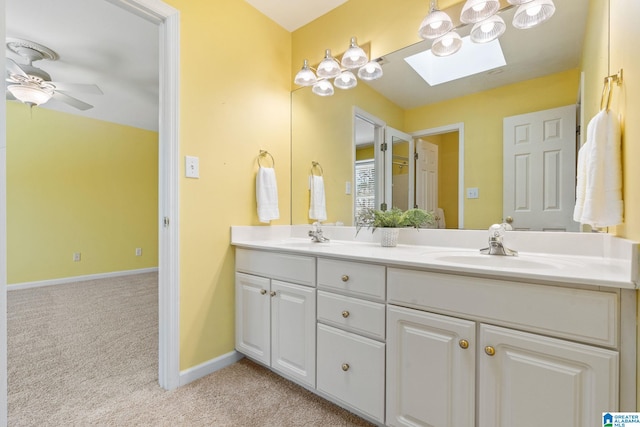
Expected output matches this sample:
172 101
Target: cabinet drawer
287 267
355 315
352 278
577 314
351 370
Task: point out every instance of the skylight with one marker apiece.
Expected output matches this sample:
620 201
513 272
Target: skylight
472 58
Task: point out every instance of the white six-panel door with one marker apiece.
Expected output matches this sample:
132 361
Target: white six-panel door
539 173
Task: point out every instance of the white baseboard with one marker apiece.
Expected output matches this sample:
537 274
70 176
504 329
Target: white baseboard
63 280
209 367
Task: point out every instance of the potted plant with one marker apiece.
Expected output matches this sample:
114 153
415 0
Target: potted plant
391 221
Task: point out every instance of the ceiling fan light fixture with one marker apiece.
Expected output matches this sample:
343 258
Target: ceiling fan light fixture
328 67
370 71
533 13
30 95
305 77
478 10
355 56
435 24
346 80
323 88
488 30
446 45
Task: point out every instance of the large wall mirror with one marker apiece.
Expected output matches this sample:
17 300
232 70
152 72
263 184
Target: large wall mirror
463 121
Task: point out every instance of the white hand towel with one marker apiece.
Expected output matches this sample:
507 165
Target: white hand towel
267 194
317 204
603 191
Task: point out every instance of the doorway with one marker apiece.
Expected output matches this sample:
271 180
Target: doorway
167 18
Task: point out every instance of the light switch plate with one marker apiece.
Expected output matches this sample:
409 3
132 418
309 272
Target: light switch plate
472 193
192 167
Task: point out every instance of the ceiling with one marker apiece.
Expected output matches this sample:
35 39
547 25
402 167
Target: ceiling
98 42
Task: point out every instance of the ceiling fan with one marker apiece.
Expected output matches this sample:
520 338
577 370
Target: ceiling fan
32 85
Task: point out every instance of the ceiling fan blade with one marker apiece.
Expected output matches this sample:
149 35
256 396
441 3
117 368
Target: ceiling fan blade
14 68
75 87
74 102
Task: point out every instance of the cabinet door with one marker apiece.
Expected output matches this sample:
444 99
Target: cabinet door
351 370
252 317
528 380
430 369
293 331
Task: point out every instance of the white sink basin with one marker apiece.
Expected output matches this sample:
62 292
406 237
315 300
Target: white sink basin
303 243
499 261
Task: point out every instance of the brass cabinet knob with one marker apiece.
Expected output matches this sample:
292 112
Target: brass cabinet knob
345 278
345 314
463 344
263 291
273 293
490 350
345 367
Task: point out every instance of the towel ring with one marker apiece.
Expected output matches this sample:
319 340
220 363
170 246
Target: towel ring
314 165
263 154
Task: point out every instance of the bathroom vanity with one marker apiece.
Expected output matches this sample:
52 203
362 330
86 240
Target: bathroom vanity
433 333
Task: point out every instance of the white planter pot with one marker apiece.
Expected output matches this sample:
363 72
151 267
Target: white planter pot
389 236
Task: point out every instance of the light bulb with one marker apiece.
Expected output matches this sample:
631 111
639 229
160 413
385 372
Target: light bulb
436 25
478 7
446 42
487 27
533 11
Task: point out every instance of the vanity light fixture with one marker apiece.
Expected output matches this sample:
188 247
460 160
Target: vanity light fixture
475 11
533 13
437 23
447 45
342 72
488 30
487 27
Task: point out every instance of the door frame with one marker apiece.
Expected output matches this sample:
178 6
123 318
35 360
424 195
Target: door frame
168 20
454 127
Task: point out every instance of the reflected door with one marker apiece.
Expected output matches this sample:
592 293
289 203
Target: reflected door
426 176
539 169
399 169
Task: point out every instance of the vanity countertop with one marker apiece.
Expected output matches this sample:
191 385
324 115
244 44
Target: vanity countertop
571 258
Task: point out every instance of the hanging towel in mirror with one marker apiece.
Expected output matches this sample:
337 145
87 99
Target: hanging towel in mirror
267 194
317 205
599 178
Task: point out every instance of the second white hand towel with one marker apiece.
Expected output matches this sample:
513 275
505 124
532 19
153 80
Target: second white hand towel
317 204
267 194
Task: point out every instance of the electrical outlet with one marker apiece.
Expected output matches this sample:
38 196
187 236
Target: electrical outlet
138 251
472 193
76 257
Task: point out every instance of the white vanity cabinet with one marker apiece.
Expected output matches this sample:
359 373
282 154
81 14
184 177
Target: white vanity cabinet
275 319
351 335
544 355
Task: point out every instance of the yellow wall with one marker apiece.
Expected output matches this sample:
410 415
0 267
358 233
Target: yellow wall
322 131
483 132
78 185
365 153
234 101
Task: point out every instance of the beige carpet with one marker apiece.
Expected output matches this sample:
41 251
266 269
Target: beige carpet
86 354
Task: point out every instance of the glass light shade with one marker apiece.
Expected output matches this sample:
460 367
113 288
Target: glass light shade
517 2
346 80
323 88
435 24
305 76
328 67
355 56
478 10
371 71
488 30
533 13
446 45
30 95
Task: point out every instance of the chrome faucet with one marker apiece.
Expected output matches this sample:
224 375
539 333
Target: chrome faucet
316 233
496 245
